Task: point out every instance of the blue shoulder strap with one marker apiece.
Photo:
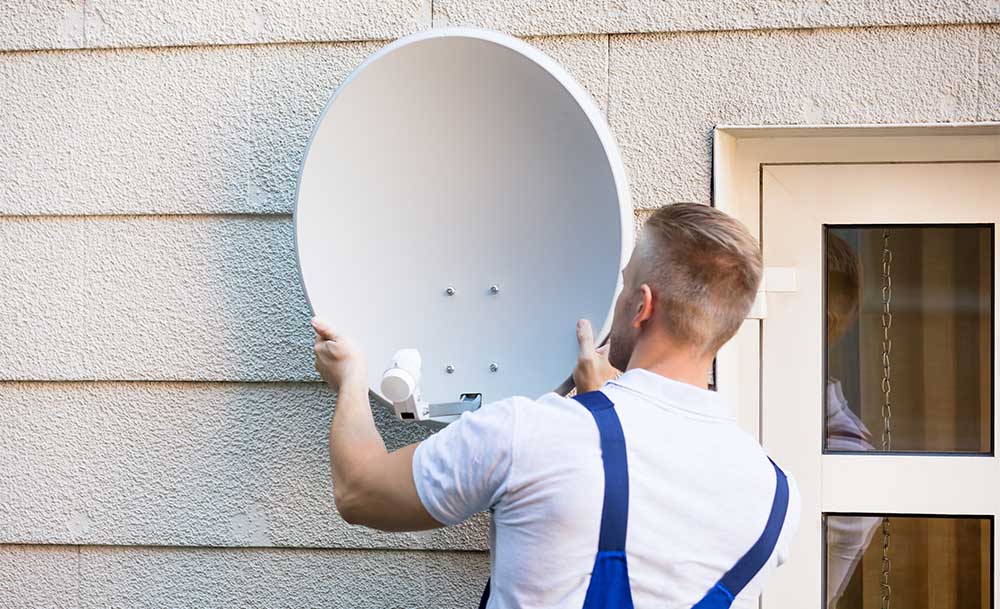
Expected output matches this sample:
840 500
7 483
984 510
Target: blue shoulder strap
732 583
614 515
609 586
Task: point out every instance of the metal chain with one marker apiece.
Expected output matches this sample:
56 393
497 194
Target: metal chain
886 342
886 401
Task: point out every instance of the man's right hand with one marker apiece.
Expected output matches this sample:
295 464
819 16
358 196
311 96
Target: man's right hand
592 366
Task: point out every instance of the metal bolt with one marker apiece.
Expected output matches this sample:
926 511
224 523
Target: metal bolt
494 289
449 369
494 367
450 291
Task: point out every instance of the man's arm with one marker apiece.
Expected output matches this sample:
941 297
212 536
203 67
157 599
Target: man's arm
465 466
371 486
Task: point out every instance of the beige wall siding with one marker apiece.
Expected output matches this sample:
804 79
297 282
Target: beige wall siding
261 577
98 577
152 298
162 433
183 130
191 464
72 24
633 16
669 90
989 74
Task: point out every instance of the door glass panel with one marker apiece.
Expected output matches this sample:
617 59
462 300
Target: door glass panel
931 562
909 327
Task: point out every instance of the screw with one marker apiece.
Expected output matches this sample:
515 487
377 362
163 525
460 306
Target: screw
450 291
494 289
494 367
449 369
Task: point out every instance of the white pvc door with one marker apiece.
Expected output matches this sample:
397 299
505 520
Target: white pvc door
878 380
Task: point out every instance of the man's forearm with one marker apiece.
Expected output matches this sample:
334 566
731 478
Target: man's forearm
370 486
355 442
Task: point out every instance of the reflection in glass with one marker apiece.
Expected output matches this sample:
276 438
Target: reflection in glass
909 338
933 562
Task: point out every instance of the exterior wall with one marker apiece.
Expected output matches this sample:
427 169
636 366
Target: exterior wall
162 431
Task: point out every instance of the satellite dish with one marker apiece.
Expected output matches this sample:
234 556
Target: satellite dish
460 205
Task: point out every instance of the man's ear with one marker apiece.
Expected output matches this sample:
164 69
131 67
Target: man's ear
645 309
832 322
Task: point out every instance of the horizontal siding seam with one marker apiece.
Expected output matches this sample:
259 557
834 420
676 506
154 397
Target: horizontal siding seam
192 45
194 215
111 381
182 548
804 28
201 215
593 32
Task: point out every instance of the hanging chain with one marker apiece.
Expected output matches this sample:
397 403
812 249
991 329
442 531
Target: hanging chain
886 343
886 400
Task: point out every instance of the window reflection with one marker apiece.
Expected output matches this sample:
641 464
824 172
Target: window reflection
931 562
908 338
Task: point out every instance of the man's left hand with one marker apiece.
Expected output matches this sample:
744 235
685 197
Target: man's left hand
339 360
592 366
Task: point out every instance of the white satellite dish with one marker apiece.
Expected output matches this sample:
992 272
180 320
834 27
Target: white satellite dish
462 196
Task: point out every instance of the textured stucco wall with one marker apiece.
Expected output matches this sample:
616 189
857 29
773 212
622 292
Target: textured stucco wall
162 433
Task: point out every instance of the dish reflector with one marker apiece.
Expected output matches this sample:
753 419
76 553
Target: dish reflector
463 196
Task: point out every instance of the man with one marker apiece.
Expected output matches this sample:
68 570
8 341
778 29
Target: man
847 536
644 493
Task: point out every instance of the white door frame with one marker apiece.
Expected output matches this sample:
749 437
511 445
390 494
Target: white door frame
741 156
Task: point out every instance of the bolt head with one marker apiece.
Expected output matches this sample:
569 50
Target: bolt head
449 369
494 367
450 291
494 289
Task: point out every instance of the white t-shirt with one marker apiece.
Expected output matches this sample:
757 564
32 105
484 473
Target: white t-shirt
847 536
700 491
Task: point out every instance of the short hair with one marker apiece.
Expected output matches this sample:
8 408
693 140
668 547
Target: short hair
705 269
843 274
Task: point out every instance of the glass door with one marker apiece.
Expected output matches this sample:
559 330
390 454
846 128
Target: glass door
878 380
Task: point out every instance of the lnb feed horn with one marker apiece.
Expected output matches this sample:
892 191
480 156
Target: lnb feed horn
401 386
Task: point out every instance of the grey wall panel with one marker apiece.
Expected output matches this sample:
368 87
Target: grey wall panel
669 90
70 24
989 74
55 24
258 577
83 577
192 464
38 576
152 297
159 130
183 130
622 16
43 24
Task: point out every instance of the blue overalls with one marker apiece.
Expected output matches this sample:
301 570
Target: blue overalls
609 584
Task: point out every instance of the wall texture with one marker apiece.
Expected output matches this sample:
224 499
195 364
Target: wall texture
162 433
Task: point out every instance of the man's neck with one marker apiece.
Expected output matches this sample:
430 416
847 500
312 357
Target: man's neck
677 364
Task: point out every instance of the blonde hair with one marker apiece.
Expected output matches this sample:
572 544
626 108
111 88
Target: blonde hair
843 274
704 268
